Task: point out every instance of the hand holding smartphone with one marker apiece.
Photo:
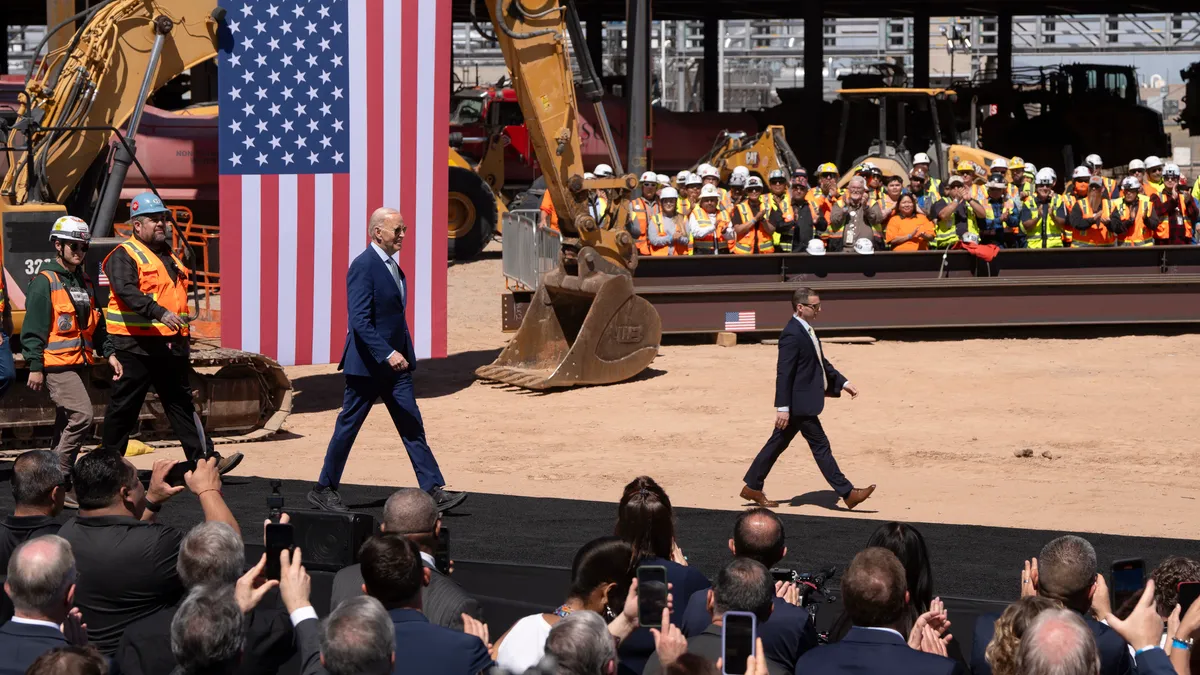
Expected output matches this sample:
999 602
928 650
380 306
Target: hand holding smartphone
1126 579
279 537
739 630
1188 592
652 595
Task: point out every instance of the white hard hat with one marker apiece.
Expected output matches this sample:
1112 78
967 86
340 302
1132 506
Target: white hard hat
970 238
663 179
603 170
1171 170
816 247
72 228
1137 165
1153 162
1045 176
1081 172
1131 183
864 246
707 171
754 181
668 193
587 175
738 179
705 167
921 158
999 163
693 179
1093 160
710 191
1030 168
648 177
741 171
682 176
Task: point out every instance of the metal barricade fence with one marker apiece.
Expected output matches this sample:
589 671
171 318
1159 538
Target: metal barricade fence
529 250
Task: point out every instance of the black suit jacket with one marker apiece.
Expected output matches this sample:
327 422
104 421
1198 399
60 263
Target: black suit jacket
708 645
443 601
21 644
870 652
798 382
1114 653
786 635
425 649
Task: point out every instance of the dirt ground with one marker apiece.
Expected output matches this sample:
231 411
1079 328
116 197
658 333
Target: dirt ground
1111 423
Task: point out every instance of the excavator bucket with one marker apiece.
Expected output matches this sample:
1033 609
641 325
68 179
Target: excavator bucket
572 335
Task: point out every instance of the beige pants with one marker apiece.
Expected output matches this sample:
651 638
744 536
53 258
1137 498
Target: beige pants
73 420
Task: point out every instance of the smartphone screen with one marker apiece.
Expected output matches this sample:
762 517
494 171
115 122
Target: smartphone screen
280 537
441 555
737 641
652 595
1188 592
1128 577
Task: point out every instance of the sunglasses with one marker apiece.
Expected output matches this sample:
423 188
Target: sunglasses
77 245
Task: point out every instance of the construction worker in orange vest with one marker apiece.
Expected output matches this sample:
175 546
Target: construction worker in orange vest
643 208
1173 212
708 225
62 329
691 195
668 232
1153 183
1127 218
778 197
1096 165
147 325
751 223
1089 217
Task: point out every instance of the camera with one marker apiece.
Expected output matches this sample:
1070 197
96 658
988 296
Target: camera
813 586
275 500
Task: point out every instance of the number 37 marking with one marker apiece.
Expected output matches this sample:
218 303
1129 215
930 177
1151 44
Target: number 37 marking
34 265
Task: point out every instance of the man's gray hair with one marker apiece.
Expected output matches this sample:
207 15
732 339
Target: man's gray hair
857 181
211 553
35 475
378 217
358 638
410 511
581 644
1058 642
208 633
1066 570
40 572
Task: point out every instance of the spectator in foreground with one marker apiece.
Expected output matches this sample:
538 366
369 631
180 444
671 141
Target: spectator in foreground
70 661
208 632
1064 571
906 542
393 574
212 554
876 597
600 581
358 639
1172 571
39 488
646 520
582 645
1013 624
414 514
788 633
41 584
126 560
1058 642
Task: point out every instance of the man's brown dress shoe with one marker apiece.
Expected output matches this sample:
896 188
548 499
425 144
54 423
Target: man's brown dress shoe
758 497
858 496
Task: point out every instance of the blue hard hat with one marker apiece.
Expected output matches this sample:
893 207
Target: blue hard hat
145 204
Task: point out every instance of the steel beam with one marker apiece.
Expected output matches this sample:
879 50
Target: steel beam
711 64
920 49
637 84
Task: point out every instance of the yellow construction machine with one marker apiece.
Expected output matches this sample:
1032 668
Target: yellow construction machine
584 325
70 111
761 153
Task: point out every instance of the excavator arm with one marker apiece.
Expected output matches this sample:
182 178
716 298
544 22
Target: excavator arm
584 324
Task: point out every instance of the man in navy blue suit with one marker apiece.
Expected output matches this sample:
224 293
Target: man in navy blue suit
803 378
875 594
41 583
394 575
378 361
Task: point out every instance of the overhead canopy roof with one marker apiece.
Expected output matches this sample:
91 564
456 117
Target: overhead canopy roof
614 10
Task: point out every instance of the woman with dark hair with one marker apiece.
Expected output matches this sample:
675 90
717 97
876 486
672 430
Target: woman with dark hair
645 520
600 582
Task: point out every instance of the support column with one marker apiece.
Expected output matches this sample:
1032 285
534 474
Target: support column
637 83
920 50
595 37
3 48
1004 48
813 145
712 85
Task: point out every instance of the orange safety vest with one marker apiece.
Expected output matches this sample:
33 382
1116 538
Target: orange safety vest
66 344
641 210
155 281
707 244
754 241
672 247
1094 236
1139 235
547 208
783 205
1163 231
3 290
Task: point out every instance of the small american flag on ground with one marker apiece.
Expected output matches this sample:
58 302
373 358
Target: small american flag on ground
739 321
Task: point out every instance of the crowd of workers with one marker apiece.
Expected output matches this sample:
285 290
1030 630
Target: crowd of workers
1010 203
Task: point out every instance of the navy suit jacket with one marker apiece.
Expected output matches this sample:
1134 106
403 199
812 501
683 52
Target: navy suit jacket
1114 653
377 326
798 383
685 581
423 648
870 652
786 635
22 643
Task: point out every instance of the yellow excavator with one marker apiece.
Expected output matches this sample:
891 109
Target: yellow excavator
70 111
761 154
584 324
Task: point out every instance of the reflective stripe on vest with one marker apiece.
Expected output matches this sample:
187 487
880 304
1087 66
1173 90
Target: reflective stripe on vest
1094 236
1054 233
754 241
1163 231
67 345
707 243
1138 235
155 281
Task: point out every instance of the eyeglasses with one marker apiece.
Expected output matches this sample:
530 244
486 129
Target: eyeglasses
77 245
815 305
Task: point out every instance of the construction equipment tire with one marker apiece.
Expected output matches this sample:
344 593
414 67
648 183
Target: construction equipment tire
471 214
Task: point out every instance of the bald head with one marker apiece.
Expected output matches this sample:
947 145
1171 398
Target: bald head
41 577
386 228
758 535
1058 643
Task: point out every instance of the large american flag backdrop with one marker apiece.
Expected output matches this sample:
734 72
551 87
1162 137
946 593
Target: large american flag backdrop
329 110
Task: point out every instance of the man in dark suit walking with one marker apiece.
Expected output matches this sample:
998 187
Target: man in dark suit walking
803 378
378 361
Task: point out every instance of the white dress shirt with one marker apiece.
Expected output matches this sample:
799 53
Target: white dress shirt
394 269
820 355
36 622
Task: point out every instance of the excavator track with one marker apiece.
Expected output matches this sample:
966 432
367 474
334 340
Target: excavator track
241 397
